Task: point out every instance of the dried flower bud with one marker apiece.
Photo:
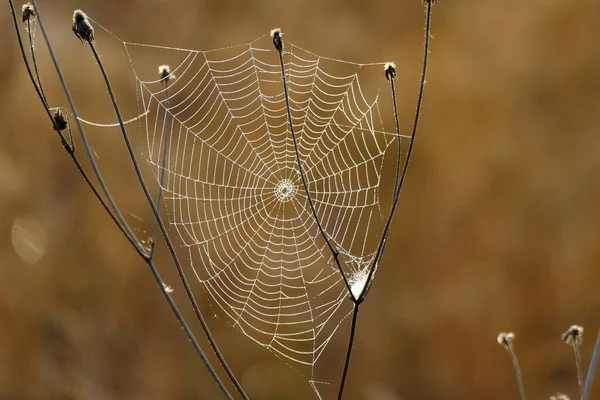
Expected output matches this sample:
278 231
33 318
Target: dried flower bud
505 339
390 70
574 335
28 12
559 396
277 42
165 74
82 27
60 121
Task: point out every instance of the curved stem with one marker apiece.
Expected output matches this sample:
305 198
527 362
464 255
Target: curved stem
122 223
167 239
69 146
35 66
592 369
384 236
333 250
166 133
349 351
117 217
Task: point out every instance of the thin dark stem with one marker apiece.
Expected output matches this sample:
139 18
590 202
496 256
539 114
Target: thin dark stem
166 132
122 223
358 300
384 236
166 237
184 325
124 227
68 145
349 351
592 369
515 362
579 366
35 66
333 250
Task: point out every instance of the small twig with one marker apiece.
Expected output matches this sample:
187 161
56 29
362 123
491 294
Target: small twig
574 337
592 369
165 73
122 224
278 43
85 32
506 340
349 351
117 217
384 236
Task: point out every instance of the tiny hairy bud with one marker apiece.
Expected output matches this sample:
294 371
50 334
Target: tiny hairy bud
82 27
276 34
390 70
165 74
60 121
28 12
505 339
573 335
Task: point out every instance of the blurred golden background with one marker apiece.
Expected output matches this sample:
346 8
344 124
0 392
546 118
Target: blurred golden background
498 226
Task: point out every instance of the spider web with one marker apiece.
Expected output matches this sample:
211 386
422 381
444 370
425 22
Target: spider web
218 135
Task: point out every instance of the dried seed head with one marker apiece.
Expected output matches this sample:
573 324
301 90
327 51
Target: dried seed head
165 74
505 339
60 121
390 70
573 335
559 396
276 34
28 12
82 27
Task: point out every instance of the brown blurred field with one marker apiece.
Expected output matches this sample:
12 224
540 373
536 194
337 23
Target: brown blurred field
498 226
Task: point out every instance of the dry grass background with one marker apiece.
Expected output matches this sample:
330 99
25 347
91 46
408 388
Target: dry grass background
498 228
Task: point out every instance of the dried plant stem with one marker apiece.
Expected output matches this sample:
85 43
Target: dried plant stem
35 66
506 340
515 362
349 351
166 133
114 212
333 250
592 369
384 237
167 239
579 369
574 337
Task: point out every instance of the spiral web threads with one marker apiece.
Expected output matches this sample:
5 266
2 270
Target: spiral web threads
236 200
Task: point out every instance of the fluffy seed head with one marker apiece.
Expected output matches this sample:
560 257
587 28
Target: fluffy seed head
28 12
82 27
505 339
573 335
390 70
276 34
559 396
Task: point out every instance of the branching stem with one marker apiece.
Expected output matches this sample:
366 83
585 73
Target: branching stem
333 250
168 242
